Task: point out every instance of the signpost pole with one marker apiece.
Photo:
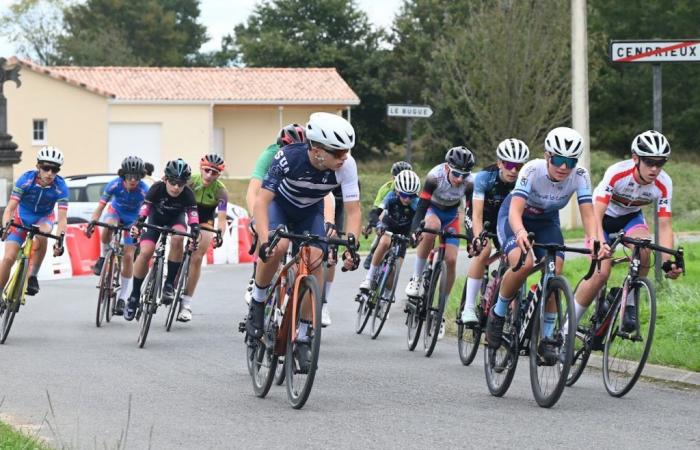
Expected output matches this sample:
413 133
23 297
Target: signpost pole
409 136
656 77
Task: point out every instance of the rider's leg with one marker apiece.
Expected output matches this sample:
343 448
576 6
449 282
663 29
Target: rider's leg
474 277
379 252
8 258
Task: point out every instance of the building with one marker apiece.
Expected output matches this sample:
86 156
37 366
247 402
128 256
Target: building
99 115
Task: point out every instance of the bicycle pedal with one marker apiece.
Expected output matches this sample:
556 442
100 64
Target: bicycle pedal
241 327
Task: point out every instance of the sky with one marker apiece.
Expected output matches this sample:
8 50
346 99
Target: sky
220 16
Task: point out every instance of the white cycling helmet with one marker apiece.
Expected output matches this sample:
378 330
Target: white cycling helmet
651 143
50 154
331 131
513 150
407 182
564 141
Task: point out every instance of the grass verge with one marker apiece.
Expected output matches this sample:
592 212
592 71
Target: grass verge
677 334
12 439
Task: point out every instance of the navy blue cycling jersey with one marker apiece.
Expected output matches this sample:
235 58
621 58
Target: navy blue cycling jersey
294 180
397 216
492 190
36 199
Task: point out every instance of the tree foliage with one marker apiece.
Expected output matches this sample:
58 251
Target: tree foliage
34 26
323 33
145 32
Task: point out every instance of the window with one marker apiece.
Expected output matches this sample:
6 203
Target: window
39 132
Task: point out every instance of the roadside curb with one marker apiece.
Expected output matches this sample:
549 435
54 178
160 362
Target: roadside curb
661 373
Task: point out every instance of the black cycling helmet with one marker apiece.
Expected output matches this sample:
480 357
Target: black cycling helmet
133 165
178 169
400 166
460 158
291 134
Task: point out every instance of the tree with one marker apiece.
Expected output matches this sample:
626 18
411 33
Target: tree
145 32
506 73
34 26
621 103
324 33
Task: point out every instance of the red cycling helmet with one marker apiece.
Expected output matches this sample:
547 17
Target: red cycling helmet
212 160
291 134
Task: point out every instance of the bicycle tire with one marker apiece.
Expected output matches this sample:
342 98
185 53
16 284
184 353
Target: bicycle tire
548 379
175 305
299 385
468 338
414 319
364 311
612 365
500 363
116 274
435 310
148 303
104 292
582 344
280 371
11 307
384 301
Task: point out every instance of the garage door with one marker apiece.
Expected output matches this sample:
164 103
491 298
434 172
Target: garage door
141 139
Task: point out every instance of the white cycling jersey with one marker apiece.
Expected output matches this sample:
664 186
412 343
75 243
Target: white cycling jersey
622 191
438 189
545 196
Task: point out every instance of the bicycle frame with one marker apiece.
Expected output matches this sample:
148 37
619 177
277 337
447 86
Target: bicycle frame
19 277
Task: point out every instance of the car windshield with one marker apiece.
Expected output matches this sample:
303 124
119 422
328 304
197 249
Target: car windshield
94 191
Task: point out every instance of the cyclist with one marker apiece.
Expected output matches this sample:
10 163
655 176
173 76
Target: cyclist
626 187
376 211
32 202
491 186
446 187
212 198
168 203
544 186
289 134
292 193
399 207
123 198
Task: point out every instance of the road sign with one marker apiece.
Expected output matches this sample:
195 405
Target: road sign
655 51
409 111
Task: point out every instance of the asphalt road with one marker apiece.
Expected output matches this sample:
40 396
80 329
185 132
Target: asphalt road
83 387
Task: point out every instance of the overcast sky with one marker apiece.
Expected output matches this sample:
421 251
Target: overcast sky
220 16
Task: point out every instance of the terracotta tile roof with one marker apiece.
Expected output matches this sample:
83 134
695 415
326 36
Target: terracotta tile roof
218 85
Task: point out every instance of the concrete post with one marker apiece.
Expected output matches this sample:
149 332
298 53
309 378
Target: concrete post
9 155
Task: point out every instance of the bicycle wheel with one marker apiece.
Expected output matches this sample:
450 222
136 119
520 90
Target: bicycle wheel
468 338
500 363
114 291
384 299
12 299
625 354
582 343
300 375
105 291
437 298
174 307
548 377
148 303
364 310
262 361
415 317
280 371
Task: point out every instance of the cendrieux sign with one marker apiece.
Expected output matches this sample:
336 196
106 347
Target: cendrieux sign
656 51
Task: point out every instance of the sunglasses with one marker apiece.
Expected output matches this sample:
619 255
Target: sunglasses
53 169
559 160
403 195
653 162
176 182
337 154
132 177
210 171
509 165
459 174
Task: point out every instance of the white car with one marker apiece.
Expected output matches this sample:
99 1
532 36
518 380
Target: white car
85 192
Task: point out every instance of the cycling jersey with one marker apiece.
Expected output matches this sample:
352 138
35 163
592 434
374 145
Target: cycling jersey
492 190
165 209
37 201
397 216
124 201
295 181
384 189
263 162
545 197
624 195
209 198
441 193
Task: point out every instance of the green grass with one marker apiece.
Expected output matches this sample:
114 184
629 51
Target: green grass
677 334
12 439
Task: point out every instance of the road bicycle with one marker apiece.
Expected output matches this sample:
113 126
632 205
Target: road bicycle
524 330
13 296
469 335
376 302
625 351
429 306
152 295
110 281
286 303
